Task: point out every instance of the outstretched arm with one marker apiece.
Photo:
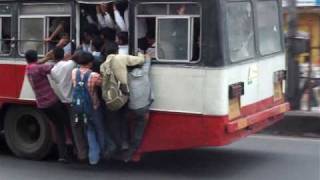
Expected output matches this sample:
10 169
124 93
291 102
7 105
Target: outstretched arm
119 20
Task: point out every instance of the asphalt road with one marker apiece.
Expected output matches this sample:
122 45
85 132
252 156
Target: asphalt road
255 158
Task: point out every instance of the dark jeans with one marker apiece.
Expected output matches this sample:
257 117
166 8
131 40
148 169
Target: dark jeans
139 122
57 115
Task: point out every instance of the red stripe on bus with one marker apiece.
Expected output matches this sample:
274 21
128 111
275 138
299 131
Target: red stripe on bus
174 131
11 80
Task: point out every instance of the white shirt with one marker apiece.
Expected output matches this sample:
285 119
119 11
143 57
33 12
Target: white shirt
68 48
123 49
61 76
105 21
120 21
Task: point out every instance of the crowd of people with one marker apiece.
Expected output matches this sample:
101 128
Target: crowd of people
95 91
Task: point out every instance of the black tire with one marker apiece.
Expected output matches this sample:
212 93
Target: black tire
28 133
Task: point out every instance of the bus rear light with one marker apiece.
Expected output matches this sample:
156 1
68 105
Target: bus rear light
235 93
236 90
234 108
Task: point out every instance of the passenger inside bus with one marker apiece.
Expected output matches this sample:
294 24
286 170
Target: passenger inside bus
58 26
108 20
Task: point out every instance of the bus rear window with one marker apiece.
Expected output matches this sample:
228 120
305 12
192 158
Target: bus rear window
240 31
268 27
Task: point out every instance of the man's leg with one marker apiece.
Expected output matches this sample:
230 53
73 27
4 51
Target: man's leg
124 127
55 114
94 147
97 121
79 136
139 124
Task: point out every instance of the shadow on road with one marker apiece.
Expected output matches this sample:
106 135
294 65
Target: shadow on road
197 163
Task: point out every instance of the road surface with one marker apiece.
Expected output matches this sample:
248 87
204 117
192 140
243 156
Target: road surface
255 158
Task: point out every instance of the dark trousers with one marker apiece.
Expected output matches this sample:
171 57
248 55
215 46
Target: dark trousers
57 115
139 121
117 125
78 134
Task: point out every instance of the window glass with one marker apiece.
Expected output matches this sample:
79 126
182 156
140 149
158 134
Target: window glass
172 41
240 31
184 9
45 9
152 9
5 9
268 27
31 35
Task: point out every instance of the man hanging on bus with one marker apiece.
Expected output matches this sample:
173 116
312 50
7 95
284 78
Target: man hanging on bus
46 99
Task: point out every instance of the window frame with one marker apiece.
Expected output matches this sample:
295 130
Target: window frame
191 18
279 25
11 33
11 16
253 10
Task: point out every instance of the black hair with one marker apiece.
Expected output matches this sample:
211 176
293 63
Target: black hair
143 44
84 58
108 34
97 43
31 56
111 48
58 53
123 37
91 30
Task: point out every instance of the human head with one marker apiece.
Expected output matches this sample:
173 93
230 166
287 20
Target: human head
84 59
122 38
108 34
89 32
97 44
58 53
112 49
31 56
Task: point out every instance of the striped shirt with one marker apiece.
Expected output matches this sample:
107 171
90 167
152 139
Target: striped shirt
37 75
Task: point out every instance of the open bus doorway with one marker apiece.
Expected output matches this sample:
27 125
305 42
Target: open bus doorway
101 20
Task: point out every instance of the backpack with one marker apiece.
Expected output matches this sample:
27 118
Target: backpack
81 99
112 92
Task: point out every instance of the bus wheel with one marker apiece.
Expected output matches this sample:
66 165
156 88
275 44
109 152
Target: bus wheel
27 133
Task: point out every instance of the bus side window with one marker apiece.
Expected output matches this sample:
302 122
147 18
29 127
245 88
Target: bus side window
31 35
42 25
5 29
57 28
172 31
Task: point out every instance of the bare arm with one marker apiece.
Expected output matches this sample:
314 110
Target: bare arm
58 30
